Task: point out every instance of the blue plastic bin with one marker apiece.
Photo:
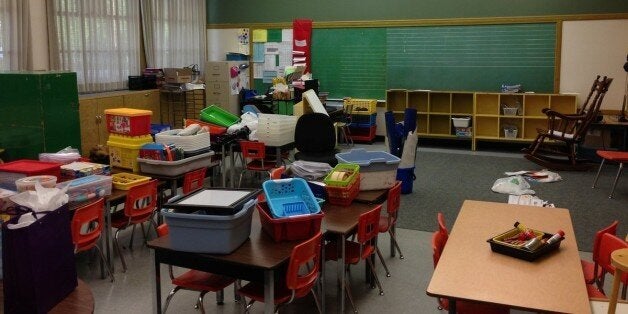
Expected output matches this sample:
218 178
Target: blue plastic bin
407 177
290 197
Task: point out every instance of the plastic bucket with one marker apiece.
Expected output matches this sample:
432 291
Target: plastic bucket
407 177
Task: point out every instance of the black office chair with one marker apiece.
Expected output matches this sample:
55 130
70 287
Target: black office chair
315 139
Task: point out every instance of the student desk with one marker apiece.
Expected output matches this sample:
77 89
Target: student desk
469 270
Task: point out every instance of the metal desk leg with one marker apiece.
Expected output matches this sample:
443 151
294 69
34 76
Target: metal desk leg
157 284
278 163
392 241
108 236
232 170
322 276
269 292
223 167
341 273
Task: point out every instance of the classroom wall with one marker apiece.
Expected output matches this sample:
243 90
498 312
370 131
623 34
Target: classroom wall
268 11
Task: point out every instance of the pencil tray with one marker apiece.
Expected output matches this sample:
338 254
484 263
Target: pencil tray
290 197
517 251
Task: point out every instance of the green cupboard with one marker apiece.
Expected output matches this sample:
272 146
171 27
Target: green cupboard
38 113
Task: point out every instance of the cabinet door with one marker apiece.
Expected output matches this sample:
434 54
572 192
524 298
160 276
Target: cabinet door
88 113
145 100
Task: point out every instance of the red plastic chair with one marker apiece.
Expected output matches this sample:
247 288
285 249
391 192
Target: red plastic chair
387 223
366 245
299 282
91 219
193 180
254 154
616 156
608 244
275 174
439 239
592 271
139 206
441 224
195 280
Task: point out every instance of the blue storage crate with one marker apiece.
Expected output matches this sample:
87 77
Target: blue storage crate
290 197
158 128
363 121
369 161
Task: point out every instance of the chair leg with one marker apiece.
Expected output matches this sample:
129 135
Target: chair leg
379 285
104 261
598 173
237 297
117 247
144 233
381 258
350 296
318 305
199 302
170 295
132 236
394 240
220 297
619 171
240 182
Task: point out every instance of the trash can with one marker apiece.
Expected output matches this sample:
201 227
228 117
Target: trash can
407 177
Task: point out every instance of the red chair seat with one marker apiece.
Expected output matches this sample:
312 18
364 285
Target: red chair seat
383 223
593 292
352 252
464 307
119 220
255 291
256 165
617 156
202 281
587 269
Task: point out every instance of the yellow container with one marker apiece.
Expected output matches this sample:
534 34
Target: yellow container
124 180
124 150
360 106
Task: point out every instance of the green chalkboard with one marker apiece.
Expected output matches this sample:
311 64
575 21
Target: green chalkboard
350 62
473 58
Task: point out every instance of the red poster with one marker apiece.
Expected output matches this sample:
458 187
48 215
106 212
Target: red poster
302 43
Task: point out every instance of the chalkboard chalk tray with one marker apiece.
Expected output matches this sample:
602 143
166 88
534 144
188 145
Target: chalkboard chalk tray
213 201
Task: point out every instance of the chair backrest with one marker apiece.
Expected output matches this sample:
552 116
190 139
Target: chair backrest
441 224
439 239
368 225
141 201
193 180
276 173
592 104
304 254
162 230
253 150
315 132
608 245
610 229
393 200
84 216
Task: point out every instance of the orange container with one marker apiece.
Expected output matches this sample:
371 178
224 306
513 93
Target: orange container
127 121
212 128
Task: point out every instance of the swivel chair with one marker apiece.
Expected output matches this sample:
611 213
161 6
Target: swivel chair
315 139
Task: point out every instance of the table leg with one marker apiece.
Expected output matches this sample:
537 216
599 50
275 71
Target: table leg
157 284
452 306
322 276
341 273
108 236
392 242
232 170
269 292
223 166
278 163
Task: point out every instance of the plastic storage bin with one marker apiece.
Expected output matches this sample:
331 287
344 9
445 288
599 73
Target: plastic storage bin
175 168
86 188
289 228
275 129
216 115
212 128
461 122
187 143
124 150
127 121
124 180
28 183
510 131
378 169
342 175
360 134
344 195
290 197
80 169
11 171
363 121
360 106
202 233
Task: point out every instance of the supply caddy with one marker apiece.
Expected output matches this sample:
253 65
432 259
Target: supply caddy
500 245
125 180
290 197
344 195
289 228
213 201
378 169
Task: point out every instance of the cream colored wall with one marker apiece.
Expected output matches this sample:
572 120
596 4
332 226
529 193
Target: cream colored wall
39 35
590 48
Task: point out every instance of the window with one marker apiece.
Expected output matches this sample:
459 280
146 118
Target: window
11 34
97 39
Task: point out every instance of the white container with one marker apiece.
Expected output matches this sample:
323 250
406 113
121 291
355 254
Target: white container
378 169
175 168
510 111
461 122
28 183
187 143
510 132
88 187
275 129
201 233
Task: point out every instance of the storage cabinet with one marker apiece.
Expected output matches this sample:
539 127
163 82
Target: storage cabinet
39 113
495 116
92 113
221 88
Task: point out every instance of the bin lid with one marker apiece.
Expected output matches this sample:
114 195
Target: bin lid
27 166
219 201
128 112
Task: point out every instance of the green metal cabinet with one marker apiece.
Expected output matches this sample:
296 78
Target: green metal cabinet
38 113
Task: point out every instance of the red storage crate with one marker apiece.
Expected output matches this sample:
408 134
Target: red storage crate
289 228
18 169
339 195
360 134
127 121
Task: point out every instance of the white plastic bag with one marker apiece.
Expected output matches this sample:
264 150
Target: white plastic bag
516 185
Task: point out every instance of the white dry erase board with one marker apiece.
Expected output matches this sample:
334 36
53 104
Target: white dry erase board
214 200
222 198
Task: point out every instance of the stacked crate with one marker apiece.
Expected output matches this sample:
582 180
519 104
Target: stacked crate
129 129
363 119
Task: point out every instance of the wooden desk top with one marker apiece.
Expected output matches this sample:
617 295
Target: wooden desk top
343 219
81 300
372 197
469 270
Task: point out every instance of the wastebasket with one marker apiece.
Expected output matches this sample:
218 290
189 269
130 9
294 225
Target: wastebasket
407 177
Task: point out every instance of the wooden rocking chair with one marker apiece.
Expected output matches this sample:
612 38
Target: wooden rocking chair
567 129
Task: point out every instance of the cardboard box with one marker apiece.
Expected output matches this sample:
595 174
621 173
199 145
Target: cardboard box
178 75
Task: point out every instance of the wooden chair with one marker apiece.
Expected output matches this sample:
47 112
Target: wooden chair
619 260
568 130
